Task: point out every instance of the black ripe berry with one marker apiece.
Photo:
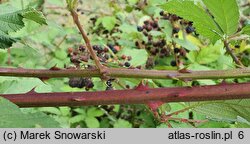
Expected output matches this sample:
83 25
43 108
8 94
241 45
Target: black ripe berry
161 13
154 25
189 29
76 82
89 84
127 64
176 50
139 28
146 22
176 30
82 48
237 46
173 63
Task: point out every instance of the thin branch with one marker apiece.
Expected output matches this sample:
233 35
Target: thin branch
246 4
87 42
132 96
63 39
127 73
229 50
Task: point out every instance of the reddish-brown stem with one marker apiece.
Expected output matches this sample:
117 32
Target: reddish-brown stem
87 42
133 96
229 50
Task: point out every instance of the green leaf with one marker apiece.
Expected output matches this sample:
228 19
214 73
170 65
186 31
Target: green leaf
92 122
77 119
226 14
108 22
23 85
122 124
94 112
65 111
246 30
139 56
186 44
5 40
12 22
12 117
203 23
51 110
207 54
228 111
35 16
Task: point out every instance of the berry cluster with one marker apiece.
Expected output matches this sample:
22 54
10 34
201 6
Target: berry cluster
81 83
157 46
80 57
178 22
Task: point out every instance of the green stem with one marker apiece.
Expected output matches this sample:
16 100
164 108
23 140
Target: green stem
127 73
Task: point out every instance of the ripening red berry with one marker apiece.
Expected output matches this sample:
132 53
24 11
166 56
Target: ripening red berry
123 57
70 50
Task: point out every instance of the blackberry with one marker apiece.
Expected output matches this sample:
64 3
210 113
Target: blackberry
161 13
146 22
237 46
112 48
96 47
78 9
89 84
154 25
139 28
127 64
173 63
189 29
176 30
136 43
82 48
175 17
76 82
176 50
162 43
